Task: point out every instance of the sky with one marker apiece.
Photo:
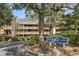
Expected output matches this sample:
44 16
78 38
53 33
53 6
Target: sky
19 13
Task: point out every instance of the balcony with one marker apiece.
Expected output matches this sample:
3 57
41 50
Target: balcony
30 33
8 27
60 27
29 27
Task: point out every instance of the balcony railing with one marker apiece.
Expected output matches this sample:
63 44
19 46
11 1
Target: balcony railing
29 28
31 32
8 27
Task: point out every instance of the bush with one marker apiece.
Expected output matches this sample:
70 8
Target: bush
1 38
22 38
33 40
14 39
6 38
50 35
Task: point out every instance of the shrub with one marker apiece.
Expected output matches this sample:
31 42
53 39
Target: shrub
6 38
1 38
33 40
14 39
22 38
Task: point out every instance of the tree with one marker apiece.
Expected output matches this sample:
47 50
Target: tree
71 22
71 19
5 14
76 15
54 9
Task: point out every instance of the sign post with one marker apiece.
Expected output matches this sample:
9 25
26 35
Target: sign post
50 44
63 45
55 46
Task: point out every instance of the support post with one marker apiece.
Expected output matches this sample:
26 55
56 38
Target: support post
50 44
63 45
55 46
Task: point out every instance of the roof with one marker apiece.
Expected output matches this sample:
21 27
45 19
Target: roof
26 21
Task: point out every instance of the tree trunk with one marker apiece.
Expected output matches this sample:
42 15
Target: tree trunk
13 24
41 29
52 28
41 23
76 29
52 25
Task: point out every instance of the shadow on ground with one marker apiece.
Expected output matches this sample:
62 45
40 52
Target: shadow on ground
15 51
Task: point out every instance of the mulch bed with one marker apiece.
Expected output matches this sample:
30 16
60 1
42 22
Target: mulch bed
69 50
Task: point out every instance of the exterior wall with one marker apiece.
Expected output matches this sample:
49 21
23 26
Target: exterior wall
2 31
29 29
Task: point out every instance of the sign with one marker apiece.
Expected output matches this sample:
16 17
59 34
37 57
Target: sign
58 39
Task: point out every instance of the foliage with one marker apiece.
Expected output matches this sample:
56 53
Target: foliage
22 38
14 39
5 14
6 38
33 39
70 21
1 38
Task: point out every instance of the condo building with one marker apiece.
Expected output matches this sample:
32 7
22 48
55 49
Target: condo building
22 27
